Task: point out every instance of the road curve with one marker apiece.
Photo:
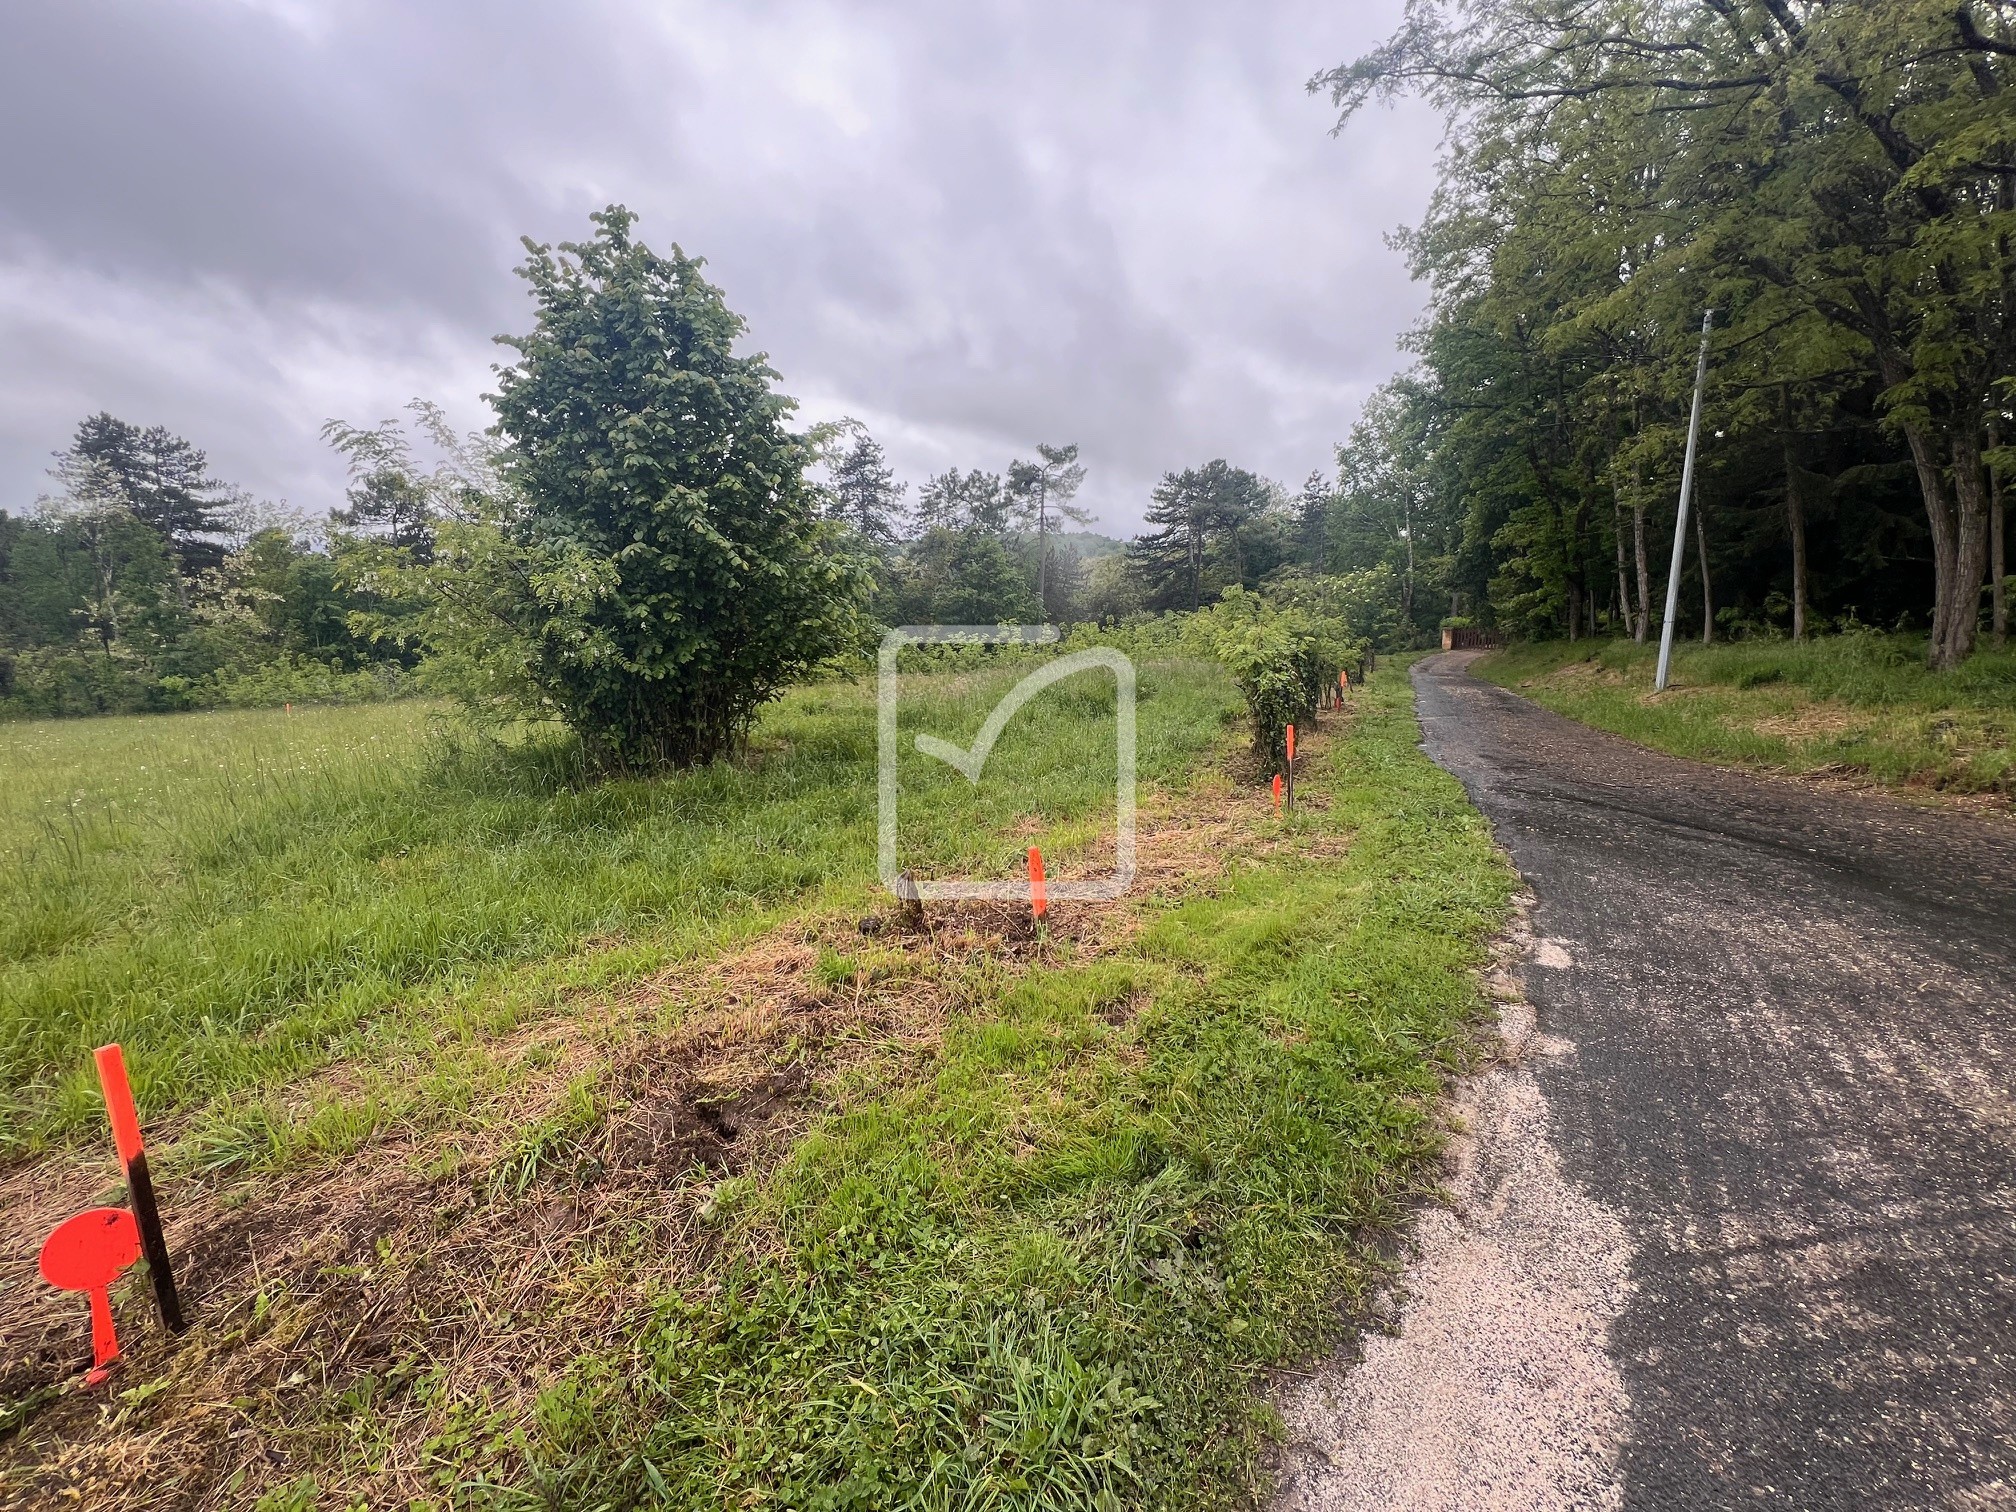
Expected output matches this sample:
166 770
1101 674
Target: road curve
1786 1025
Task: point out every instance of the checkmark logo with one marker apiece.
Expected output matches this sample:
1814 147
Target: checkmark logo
971 761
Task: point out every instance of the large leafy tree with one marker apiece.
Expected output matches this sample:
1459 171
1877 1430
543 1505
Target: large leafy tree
387 499
1313 506
1840 179
1385 509
961 577
653 464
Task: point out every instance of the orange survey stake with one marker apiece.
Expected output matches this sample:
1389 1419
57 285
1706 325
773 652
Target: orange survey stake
119 1102
146 1215
1291 769
1039 897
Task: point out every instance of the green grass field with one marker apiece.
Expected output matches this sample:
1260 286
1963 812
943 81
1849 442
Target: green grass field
1856 705
1039 1216
241 897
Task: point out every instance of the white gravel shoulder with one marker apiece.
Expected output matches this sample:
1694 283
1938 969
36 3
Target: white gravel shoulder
1495 1388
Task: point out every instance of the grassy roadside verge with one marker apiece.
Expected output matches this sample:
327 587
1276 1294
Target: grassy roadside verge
859 1219
1861 706
1048 1272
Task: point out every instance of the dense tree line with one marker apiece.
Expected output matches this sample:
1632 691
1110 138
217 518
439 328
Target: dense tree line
1837 182
976 548
144 582
982 548
642 547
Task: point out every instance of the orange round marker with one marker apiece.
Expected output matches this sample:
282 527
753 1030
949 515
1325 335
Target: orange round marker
1277 792
1039 898
86 1254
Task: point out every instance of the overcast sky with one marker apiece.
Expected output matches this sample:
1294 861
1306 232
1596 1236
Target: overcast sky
975 226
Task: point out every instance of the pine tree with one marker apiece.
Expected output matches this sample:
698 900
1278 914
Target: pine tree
1205 514
1044 488
953 500
160 477
865 493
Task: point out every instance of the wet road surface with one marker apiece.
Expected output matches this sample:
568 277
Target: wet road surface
1792 1016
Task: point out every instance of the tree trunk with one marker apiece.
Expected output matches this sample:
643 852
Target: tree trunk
1042 558
1939 515
1998 561
1707 588
1959 520
1407 591
1970 548
1582 593
1940 654
1638 545
1623 586
1795 518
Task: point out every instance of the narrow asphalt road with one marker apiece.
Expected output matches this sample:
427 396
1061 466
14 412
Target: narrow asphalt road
1792 1080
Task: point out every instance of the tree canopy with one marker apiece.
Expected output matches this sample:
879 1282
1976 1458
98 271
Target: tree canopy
1835 181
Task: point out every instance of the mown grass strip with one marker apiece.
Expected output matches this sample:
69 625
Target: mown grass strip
1859 704
1048 1272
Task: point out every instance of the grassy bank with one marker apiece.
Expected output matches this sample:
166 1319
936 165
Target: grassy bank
1857 705
755 1205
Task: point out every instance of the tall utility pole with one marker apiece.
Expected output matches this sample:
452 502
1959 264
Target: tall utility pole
1686 498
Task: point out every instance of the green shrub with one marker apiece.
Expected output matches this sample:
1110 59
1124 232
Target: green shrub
1283 658
679 576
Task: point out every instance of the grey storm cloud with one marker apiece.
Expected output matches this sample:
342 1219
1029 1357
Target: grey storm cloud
975 227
